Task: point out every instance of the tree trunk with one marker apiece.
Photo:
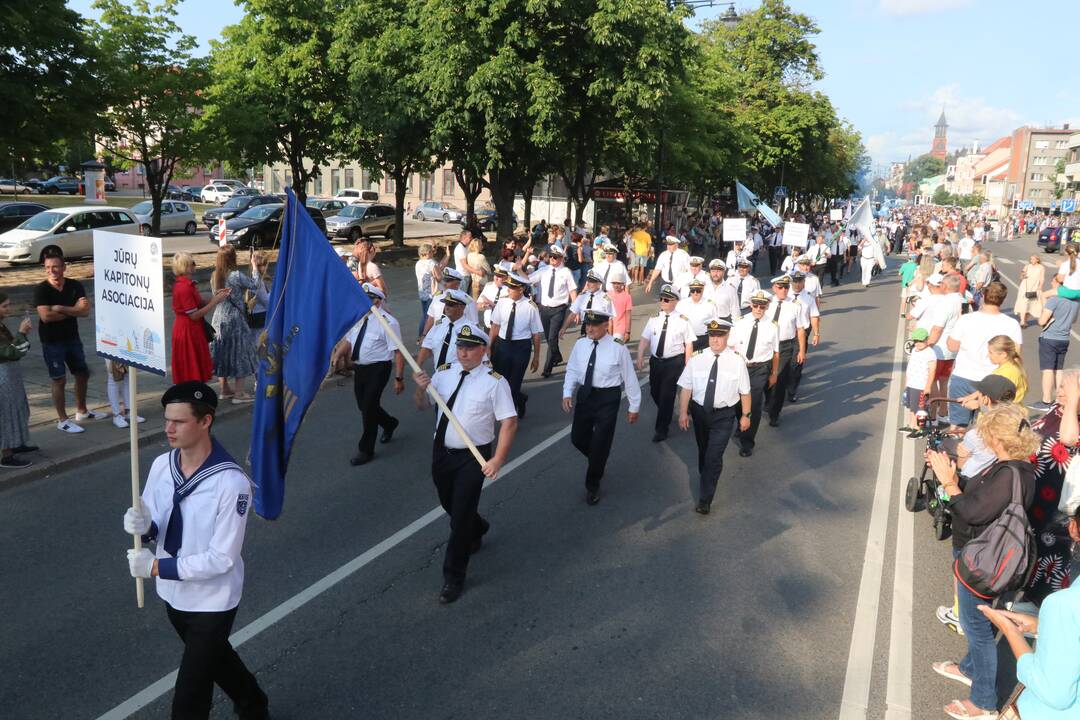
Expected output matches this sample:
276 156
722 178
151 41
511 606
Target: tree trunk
299 186
527 195
400 187
472 184
503 183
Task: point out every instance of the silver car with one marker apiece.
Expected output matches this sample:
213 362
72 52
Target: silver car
433 210
361 220
176 217
72 228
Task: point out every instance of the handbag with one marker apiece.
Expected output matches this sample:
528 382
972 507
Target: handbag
1070 487
1031 295
208 329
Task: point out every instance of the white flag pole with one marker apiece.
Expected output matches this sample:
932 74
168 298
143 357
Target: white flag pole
430 390
136 499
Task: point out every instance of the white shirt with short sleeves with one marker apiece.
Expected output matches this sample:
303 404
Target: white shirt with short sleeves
679 334
435 310
1070 280
377 345
613 368
767 342
526 318
724 299
918 368
732 377
974 331
484 397
698 313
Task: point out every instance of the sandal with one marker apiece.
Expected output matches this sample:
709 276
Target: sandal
957 709
951 670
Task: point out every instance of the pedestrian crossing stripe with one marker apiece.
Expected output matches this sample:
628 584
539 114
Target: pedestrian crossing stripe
1006 261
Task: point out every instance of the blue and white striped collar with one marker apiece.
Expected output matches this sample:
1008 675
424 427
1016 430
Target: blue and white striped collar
219 459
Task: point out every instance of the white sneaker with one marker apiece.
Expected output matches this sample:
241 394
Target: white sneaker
119 421
90 415
949 618
140 418
69 427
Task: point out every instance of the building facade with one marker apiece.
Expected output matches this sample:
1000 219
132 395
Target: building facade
1033 174
1072 168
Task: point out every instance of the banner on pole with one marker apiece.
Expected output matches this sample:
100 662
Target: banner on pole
796 234
734 230
129 305
836 214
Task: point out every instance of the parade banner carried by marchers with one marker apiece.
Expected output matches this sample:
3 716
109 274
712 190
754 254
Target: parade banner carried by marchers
734 230
129 308
796 234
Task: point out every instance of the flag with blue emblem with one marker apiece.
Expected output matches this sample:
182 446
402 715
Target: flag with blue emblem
313 303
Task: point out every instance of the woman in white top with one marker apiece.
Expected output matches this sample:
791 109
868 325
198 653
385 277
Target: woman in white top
427 283
1029 300
364 268
1068 274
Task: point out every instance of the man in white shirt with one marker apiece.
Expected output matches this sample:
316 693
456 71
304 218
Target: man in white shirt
670 342
721 293
775 243
837 251
592 298
599 369
555 288
966 247
811 319
451 281
790 321
714 391
696 272
609 267
812 284
818 253
369 350
698 312
492 293
757 341
438 344
670 264
461 262
515 338
938 318
745 285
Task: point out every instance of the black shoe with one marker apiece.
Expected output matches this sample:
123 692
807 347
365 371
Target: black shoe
34 448
703 508
745 452
388 433
792 397
592 497
450 592
13 462
521 410
361 458
774 422
545 374
659 437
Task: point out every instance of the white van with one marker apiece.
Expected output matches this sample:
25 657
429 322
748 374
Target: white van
355 195
70 228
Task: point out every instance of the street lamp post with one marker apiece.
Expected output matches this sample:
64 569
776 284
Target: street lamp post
730 18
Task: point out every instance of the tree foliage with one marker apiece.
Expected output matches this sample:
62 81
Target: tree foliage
923 167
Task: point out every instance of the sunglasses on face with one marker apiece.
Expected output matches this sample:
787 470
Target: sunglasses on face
695 291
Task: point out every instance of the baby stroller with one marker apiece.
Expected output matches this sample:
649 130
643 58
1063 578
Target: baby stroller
924 490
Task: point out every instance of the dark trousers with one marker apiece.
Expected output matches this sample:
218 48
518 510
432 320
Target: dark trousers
819 271
712 431
663 376
209 659
776 258
796 372
458 480
369 381
759 381
834 264
778 392
595 415
552 318
510 358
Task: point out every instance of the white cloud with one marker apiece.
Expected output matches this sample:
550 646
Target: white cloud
920 7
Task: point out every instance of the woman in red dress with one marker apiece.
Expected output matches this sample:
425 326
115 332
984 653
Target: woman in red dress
190 348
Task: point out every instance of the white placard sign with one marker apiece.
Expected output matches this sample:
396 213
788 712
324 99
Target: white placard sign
836 214
129 307
796 234
734 230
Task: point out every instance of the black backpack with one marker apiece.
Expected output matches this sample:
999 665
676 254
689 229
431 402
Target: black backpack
1002 557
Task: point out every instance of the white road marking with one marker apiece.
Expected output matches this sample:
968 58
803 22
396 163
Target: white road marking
1015 285
1005 260
152 692
898 687
854 703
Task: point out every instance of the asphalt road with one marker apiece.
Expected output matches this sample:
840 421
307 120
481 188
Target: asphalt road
785 602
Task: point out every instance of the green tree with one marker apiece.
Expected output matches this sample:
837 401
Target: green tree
923 167
942 197
153 87
273 97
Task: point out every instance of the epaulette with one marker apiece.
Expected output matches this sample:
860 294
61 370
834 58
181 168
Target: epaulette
698 352
619 340
444 366
494 374
684 317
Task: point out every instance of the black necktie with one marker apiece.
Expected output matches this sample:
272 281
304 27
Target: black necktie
663 338
510 323
710 387
670 262
586 385
606 271
359 341
551 284
776 315
739 292
444 421
445 344
752 343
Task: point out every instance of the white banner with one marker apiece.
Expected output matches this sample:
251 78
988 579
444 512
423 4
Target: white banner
796 234
129 305
734 230
836 214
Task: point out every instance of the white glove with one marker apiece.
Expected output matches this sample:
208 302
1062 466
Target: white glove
140 562
136 522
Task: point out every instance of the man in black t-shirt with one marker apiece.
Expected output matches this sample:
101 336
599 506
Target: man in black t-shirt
60 302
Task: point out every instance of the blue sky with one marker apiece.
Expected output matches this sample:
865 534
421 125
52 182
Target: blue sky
892 64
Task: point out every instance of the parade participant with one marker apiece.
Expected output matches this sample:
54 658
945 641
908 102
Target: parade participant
722 294
622 306
670 342
835 262
739 253
818 254
439 343
556 288
714 391
479 398
609 266
812 283
789 262
451 281
593 298
745 285
868 254
598 370
788 318
515 337
369 351
757 341
670 264
197 563
697 272
811 319
427 282
492 293
698 311
14 408
775 244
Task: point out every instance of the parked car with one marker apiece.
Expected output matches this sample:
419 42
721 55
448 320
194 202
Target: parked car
13 214
217 192
434 210
9 185
72 228
176 217
110 184
487 219
327 206
245 191
34 184
178 192
354 195
233 183
236 206
359 220
258 226
1052 238
61 185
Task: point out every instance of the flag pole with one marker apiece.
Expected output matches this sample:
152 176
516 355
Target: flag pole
430 390
136 499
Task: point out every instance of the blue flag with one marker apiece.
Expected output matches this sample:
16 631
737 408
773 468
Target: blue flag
314 302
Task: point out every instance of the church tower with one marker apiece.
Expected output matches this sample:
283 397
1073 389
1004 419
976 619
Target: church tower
938 150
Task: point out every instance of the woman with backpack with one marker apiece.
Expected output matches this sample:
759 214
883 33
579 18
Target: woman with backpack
975 507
